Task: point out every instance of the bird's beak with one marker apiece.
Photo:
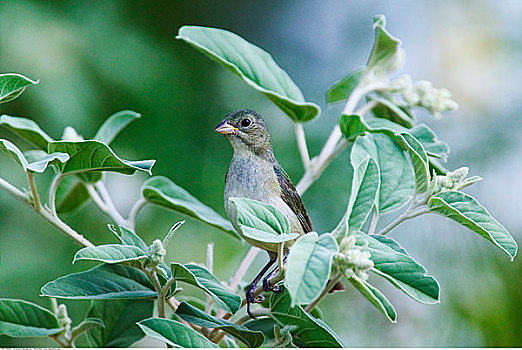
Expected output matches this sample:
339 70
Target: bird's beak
225 128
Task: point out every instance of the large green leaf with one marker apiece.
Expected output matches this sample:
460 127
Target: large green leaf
37 166
254 66
120 318
89 158
308 329
20 318
114 124
386 48
419 160
163 192
264 325
13 85
352 126
174 333
393 263
465 210
375 297
200 277
434 147
308 268
388 110
396 174
343 89
111 253
252 339
105 281
363 196
27 129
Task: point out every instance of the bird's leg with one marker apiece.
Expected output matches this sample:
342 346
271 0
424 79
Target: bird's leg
250 291
266 281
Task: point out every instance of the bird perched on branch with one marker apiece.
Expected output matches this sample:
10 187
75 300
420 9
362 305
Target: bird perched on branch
254 173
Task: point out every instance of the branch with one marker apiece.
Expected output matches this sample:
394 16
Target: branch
301 145
34 191
52 193
410 213
243 267
103 200
131 220
328 287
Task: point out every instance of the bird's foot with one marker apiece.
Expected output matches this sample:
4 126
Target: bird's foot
269 288
251 299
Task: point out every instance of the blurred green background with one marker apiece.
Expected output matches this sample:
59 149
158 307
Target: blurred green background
94 58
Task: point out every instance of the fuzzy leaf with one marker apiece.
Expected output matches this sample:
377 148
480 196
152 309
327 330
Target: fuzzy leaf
388 110
127 237
111 254
114 124
254 66
309 265
342 90
90 157
419 160
375 297
311 331
200 277
163 192
37 166
386 48
252 339
71 195
352 126
20 318
465 210
102 282
120 318
27 129
428 139
261 216
13 85
393 263
174 333
86 325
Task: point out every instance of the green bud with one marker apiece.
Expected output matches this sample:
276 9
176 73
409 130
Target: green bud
458 174
70 134
347 243
156 253
63 318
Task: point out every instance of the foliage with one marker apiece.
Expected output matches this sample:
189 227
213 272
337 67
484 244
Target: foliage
396 169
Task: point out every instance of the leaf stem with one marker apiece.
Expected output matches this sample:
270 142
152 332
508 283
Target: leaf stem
373 223
52 193
328 287
131 220
36 198
301 145
410 213
14 192
105 203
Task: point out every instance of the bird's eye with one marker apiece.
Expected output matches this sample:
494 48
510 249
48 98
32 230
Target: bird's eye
246 123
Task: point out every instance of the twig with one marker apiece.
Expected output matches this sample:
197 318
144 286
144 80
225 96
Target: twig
131 220
256 313
328 287
301 144
243 267
34 191
52 193
410 213
101 197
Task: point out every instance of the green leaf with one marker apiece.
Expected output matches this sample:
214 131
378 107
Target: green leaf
174 333
395 172
111 253
386 48
120 318
428 139
261 216
86 325
419 161
252 339
264 325
393 263
38 166
114 124
27 129
267 237
363 196
71 195
465 210
388 110
163 192
375 297
102 282
309 265
13 85
254 66
342 90
311 331
127 237
352 126
200 277
20 318
89 158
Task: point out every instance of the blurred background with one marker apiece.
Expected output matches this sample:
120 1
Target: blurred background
94 58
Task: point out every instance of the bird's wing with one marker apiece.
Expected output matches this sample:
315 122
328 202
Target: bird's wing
291 198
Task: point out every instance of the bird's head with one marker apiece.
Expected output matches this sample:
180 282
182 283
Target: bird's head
246 130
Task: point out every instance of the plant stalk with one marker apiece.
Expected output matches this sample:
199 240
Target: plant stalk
301 145
36 198
328 287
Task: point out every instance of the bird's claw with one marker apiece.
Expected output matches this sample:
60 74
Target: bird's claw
268 288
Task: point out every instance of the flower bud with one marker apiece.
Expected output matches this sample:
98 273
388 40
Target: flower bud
156 253
347 243
70 134
63 319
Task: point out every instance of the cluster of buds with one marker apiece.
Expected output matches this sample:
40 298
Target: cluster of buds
156 253
70 134
63 318
453 181
423 94
353 260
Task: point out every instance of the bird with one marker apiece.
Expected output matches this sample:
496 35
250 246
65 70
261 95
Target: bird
255 173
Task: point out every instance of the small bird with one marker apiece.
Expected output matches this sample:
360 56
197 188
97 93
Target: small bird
254 173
